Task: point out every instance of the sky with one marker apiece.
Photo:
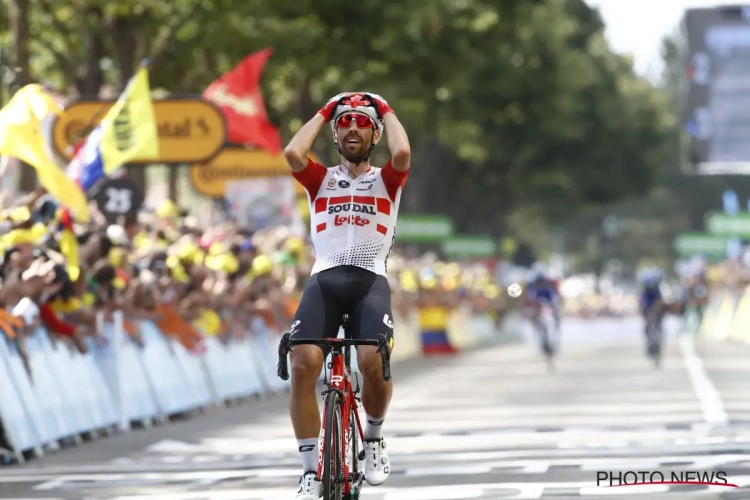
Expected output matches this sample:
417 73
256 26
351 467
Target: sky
637 26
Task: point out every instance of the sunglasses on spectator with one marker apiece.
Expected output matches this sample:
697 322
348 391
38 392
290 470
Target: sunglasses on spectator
362 121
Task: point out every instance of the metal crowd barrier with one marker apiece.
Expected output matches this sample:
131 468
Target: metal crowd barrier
119 383
727 316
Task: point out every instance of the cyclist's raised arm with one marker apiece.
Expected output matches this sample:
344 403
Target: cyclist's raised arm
398 143
297 149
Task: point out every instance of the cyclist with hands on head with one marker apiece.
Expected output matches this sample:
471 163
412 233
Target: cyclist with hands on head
353 210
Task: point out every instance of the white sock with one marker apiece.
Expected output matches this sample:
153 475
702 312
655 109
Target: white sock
374 427
308 450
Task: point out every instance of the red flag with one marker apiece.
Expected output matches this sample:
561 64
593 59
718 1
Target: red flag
237 93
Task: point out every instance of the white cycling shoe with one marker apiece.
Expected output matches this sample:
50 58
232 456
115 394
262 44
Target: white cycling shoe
309 487
377 466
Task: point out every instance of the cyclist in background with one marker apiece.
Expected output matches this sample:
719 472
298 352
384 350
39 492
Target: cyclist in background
540 289
652 302
698 295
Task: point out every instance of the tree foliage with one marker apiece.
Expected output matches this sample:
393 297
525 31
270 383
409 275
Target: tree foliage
509 105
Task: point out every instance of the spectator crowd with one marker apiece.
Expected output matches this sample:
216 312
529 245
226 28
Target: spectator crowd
192 281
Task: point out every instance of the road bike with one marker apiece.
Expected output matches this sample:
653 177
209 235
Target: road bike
654 338
546 329
340 454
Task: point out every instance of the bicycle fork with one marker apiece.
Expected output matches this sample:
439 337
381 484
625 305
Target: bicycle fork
348 402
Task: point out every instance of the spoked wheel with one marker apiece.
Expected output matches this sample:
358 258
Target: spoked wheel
333 470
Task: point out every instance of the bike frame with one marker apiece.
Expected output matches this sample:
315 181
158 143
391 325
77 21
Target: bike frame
340 380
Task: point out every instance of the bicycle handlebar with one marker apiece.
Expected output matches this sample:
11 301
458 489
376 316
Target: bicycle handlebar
285 347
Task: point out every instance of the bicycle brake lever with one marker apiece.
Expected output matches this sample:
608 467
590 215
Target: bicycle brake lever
385 353
282 369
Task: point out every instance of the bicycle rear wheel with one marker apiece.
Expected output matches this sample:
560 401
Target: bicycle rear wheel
356 456
333 445
543 334
656 346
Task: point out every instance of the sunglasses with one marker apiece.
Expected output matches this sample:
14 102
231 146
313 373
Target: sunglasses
362 121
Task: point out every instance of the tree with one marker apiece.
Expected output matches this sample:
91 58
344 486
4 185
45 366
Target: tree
22 75
509 105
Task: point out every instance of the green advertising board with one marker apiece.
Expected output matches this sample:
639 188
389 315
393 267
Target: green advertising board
701 244
729 225
423 229
470 246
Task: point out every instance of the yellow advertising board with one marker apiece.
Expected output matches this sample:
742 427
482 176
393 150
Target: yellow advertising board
233 164
190 130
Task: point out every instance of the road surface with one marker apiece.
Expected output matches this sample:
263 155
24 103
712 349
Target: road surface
489 424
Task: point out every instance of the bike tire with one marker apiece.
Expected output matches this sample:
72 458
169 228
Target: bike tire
355 466
657 348
544 337
333 446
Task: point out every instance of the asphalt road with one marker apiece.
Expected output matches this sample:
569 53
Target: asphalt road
485 424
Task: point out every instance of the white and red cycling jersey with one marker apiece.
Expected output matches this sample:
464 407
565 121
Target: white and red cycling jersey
352 221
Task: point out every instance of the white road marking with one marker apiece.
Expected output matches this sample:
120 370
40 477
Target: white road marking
708 396
520 491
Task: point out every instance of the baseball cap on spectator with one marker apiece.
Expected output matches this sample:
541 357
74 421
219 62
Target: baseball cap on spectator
409 281
117 256
220 259
261 266
18 215
168 210
183 256
209 322
17 237
295 245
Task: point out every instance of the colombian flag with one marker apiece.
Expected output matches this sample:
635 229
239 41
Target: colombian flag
128 131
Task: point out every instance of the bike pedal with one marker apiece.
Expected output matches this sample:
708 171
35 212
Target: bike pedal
361 455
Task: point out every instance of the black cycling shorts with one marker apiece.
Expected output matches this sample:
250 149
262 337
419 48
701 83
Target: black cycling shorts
328 295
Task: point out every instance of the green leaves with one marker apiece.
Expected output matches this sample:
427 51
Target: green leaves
524 97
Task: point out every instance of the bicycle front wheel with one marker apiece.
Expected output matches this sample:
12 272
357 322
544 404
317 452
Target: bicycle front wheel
333 446
542 335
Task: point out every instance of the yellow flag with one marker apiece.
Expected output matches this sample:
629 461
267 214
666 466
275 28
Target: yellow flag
129 129
21 137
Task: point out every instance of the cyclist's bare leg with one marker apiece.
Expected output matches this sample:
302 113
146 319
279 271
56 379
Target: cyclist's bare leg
376 396
376 393
307 363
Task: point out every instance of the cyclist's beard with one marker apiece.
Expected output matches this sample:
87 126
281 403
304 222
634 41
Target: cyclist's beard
359 154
